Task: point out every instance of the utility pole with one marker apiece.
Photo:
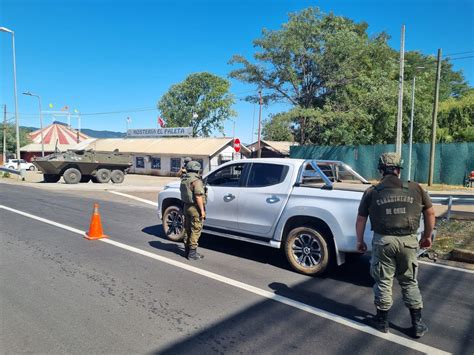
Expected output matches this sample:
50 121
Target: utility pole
4 134
259 147
398 143
434 120
410 149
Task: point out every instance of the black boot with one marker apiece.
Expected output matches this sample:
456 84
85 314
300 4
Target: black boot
380 321
186 251
194 255
419 327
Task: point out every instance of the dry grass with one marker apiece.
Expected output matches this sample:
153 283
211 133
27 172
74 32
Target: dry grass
454 234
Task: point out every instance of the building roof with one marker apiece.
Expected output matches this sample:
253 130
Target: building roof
60 133
170 145
282 147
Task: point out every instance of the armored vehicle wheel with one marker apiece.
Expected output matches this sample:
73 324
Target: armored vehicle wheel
173 223
103 176
85 178
72 176
307 250
51 177
117 176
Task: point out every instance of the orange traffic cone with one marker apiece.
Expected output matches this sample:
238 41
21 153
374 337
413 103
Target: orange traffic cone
95 229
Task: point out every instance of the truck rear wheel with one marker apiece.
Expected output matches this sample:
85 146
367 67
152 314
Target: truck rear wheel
103 176
117 176
72 176
173 223
307 250
51 177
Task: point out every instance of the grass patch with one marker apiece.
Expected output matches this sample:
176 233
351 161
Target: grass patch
4 174
454 234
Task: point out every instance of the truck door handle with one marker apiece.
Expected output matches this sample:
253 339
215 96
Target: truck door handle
273 199
229 197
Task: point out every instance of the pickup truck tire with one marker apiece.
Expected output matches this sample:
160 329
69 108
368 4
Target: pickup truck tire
173 223
32 168
307 250
51 177
117 176
72 176
103 176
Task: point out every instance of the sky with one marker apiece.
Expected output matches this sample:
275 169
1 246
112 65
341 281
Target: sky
113 59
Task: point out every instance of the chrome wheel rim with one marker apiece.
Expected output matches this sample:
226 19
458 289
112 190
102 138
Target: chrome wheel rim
306 250
174 223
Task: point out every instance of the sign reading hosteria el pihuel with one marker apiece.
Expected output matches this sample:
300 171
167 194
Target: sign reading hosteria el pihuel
160 132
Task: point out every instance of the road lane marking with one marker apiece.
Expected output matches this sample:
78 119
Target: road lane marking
252 289
446 266
134 198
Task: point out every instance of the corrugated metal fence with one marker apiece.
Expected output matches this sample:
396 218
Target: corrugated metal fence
453 161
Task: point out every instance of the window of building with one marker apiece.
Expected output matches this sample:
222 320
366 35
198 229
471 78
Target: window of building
139 162
266 174
175 164
200 161
155 163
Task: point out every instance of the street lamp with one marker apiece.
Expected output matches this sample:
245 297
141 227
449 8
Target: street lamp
41 119
17 127
411 121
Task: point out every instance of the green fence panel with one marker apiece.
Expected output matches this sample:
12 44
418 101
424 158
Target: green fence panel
453 161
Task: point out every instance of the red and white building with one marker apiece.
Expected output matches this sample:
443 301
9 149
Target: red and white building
55 134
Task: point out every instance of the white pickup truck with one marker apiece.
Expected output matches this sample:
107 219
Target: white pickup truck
308 208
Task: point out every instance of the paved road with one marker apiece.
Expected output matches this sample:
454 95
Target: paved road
61 293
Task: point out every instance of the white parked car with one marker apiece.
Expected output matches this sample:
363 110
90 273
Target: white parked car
308 208
13 164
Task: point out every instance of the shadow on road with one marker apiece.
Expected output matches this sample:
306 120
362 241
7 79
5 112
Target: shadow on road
355 271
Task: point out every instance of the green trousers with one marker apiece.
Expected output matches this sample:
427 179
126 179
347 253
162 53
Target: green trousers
192 225
395 256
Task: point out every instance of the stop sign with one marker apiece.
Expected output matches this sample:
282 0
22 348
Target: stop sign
237 144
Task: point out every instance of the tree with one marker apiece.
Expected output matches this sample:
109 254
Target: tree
342 83
278 128
11 138
205 94
456 119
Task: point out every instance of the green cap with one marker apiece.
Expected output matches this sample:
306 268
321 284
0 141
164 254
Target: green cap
390 160
193 166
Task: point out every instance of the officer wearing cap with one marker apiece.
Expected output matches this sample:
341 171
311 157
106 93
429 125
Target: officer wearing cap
183 171
193 196
395 208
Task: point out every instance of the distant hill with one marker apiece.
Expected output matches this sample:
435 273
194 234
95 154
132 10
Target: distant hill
102 134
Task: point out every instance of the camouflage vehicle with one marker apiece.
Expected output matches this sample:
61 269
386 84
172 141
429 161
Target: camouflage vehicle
83 166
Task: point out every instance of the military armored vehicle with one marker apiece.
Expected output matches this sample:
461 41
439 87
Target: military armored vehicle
83 166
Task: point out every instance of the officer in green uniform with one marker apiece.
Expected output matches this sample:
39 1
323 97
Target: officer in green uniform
193 196
395 208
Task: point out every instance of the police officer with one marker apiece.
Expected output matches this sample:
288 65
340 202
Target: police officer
193 196
183 171
394 208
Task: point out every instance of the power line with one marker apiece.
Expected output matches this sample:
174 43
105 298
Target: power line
448 55
466 57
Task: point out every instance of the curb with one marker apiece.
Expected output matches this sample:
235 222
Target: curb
463 255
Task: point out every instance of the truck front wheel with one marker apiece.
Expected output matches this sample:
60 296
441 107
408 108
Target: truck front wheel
72 176
307 251
173 223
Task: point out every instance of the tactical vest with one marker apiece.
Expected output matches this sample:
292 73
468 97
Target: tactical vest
187 195
395 210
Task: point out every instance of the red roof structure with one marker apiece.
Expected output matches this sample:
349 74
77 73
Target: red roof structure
55 135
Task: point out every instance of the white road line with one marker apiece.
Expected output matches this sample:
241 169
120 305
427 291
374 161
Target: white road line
446 267
134 198
255 290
